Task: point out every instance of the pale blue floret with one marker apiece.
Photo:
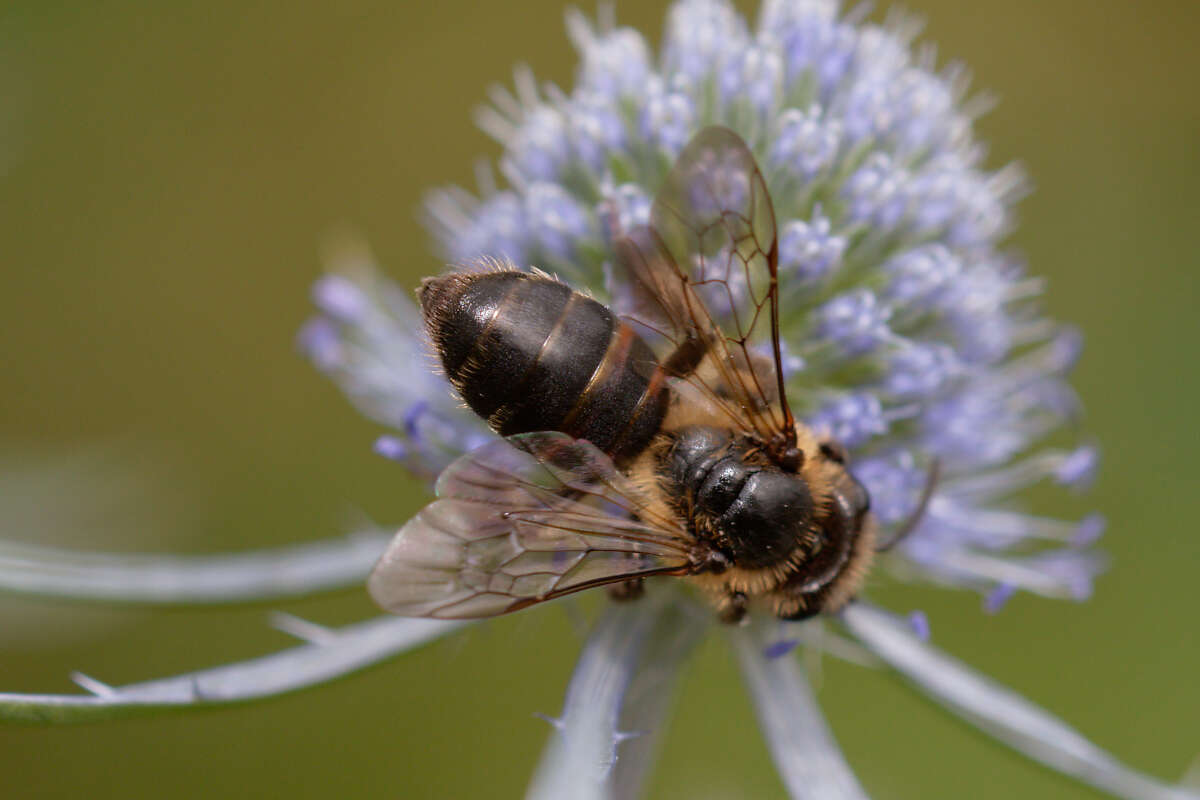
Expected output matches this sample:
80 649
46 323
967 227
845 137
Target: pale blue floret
875 195
557 221
613 63
666 118
1078 470
340 299
540 147
974 309
321 341
954 198
753 76
977 426
851 419
391 447
701 35
925 114
919 622
626 207
918 275
808 249
921 369
501 224
813 41
855 322
999 597
596 130
805 142
494 225
894 482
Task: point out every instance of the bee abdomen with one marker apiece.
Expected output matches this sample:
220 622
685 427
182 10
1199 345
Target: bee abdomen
529 354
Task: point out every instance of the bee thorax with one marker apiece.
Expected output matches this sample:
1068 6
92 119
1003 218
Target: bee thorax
754 514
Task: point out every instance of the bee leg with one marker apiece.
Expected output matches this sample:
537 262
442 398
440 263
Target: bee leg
626 591
732 610
709 561
806 612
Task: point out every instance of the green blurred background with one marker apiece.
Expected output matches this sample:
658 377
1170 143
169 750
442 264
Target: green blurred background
167 173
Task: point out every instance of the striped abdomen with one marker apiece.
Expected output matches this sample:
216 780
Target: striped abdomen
528 354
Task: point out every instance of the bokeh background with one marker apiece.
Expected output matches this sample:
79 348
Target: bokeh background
167 174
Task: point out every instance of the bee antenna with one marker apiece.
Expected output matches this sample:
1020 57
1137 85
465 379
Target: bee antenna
910 524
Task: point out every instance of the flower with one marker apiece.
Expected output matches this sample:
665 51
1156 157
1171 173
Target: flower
918 336
910 335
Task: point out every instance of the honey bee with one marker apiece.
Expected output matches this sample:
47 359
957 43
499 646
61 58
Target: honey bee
660 442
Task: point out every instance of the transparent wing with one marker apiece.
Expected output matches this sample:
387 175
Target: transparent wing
703 280
522 520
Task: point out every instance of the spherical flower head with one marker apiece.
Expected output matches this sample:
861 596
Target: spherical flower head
910 334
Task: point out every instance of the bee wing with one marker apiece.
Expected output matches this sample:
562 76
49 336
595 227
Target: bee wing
703 279
522 520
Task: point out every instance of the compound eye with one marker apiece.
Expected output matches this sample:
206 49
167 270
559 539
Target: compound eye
857 496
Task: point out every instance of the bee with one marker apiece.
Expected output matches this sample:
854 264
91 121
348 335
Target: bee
654 442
